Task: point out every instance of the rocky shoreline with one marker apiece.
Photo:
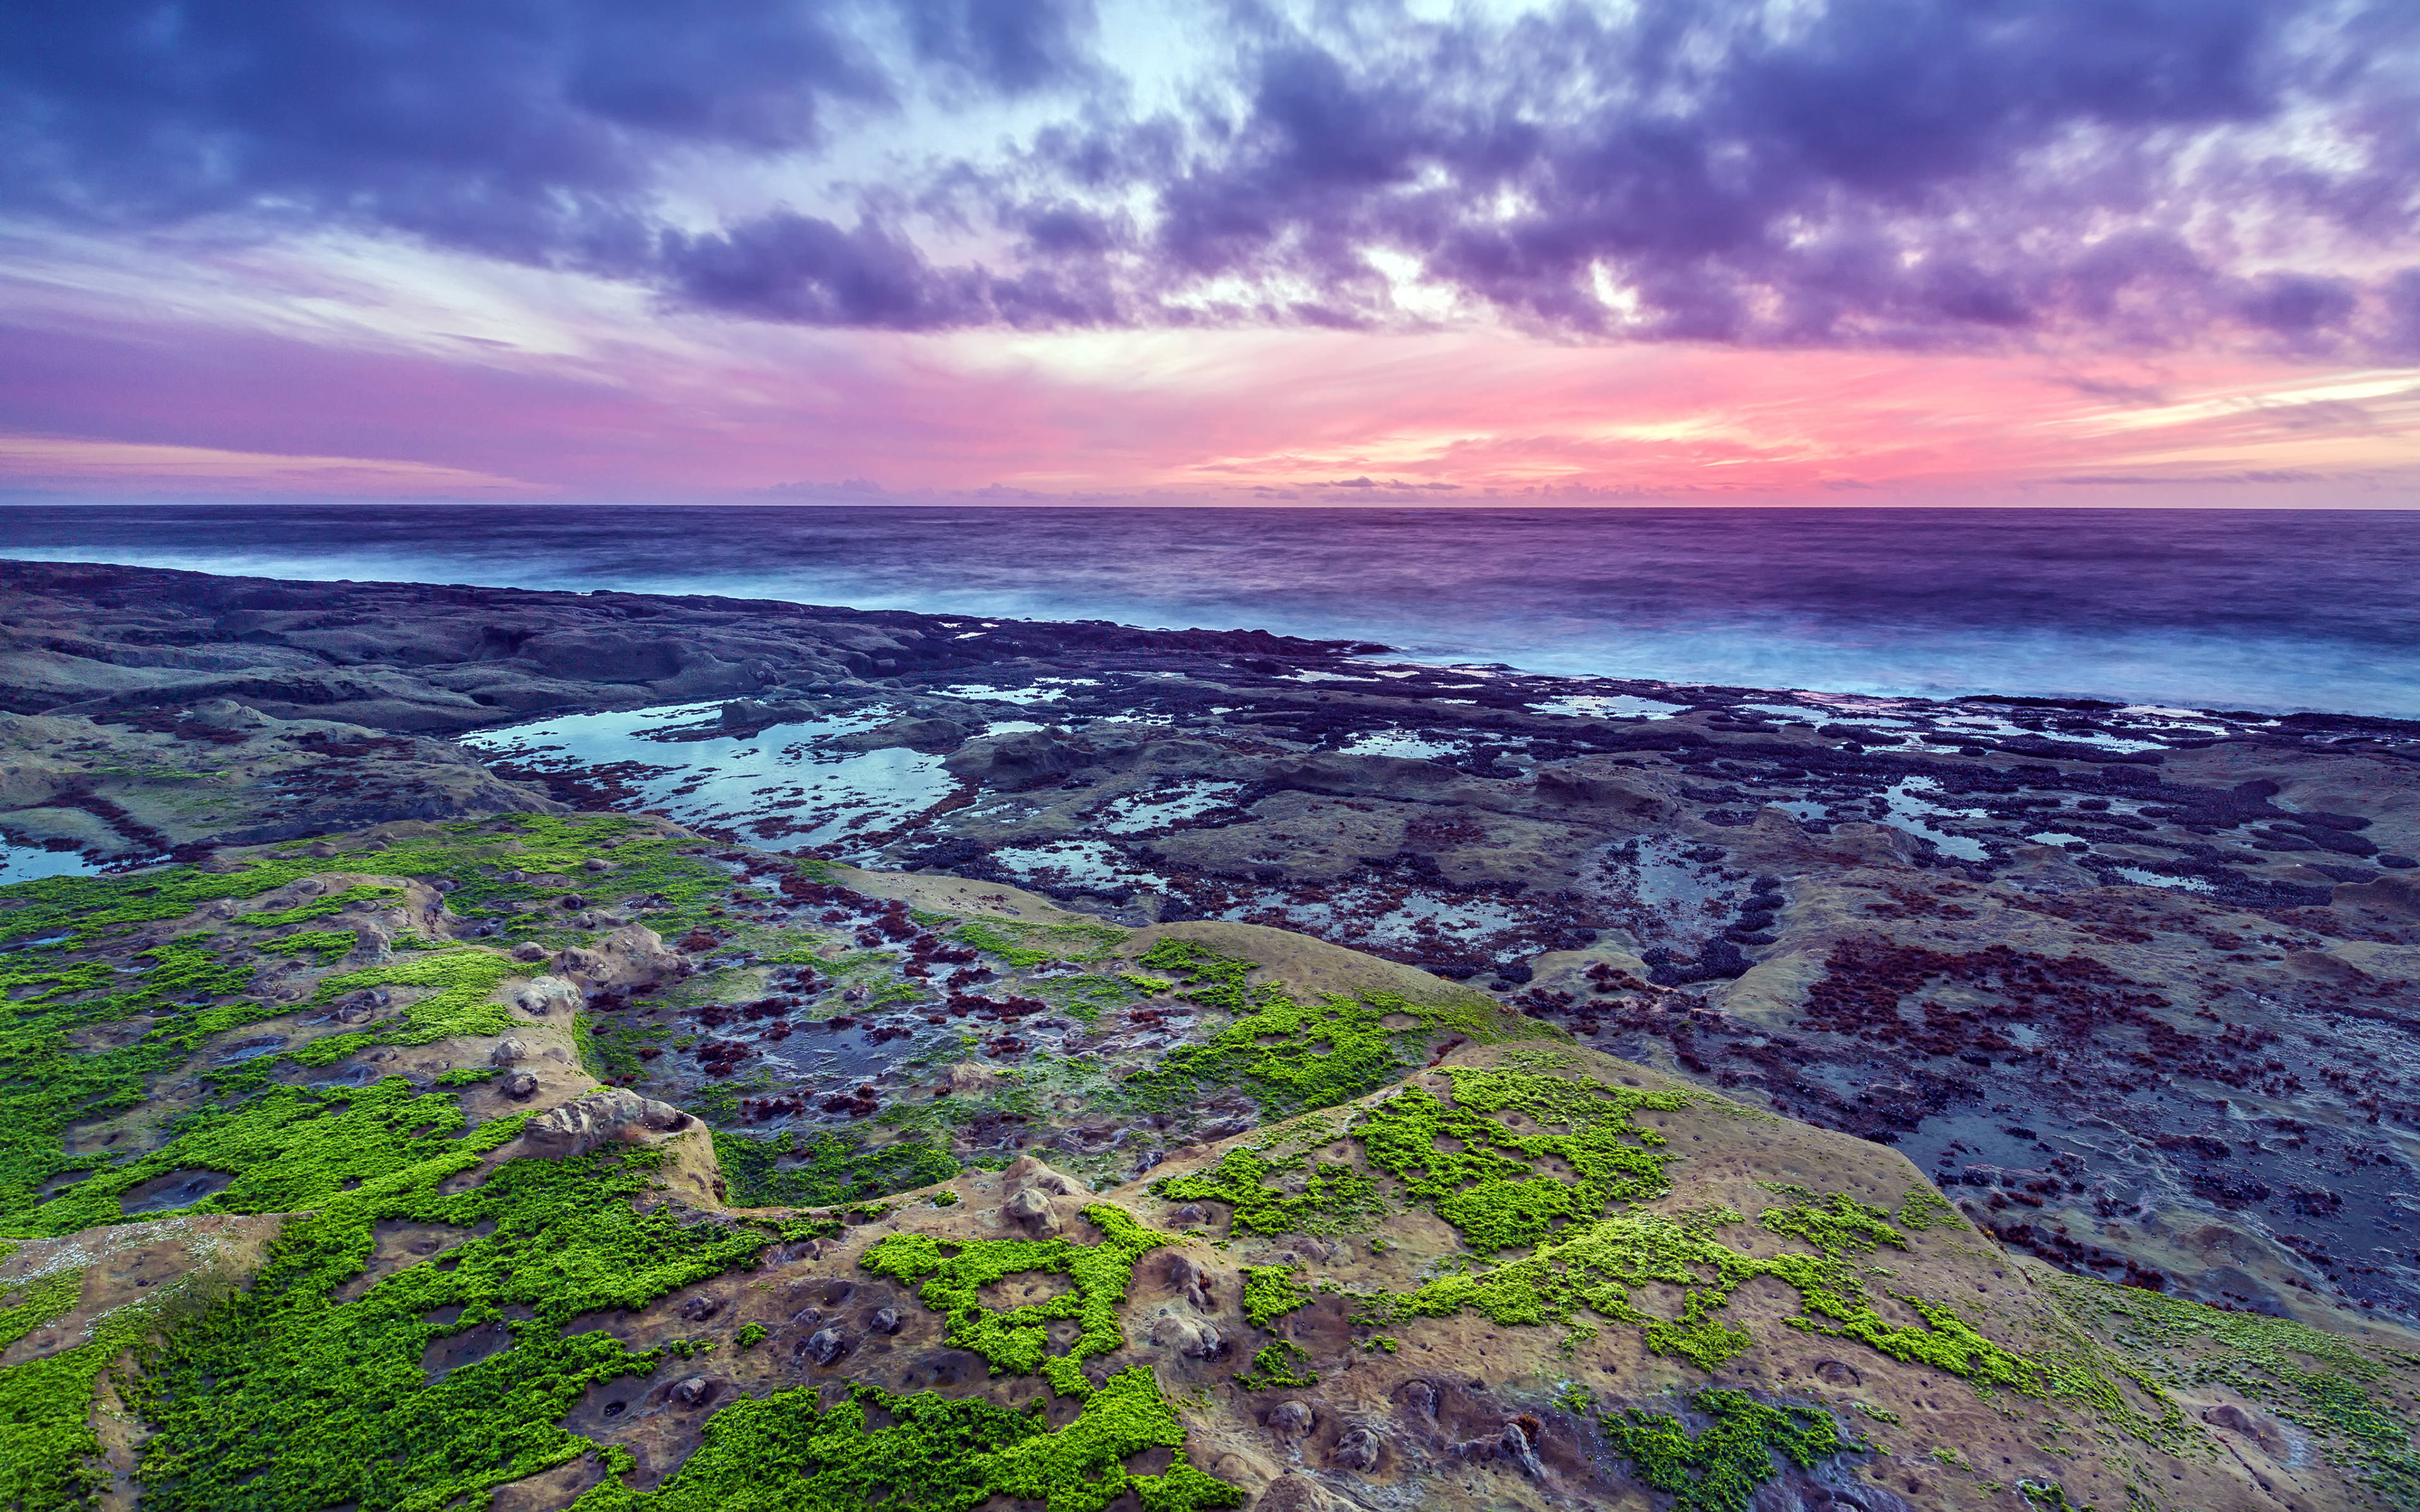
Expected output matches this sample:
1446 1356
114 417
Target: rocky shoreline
2138 985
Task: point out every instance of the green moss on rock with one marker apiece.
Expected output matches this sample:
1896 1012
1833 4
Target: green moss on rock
1292 1055
1270 1292
1719 1468
289 1398
1335 1198
825 1171
1283 1363
951 1277
788 1454
1480 1175
2342 1394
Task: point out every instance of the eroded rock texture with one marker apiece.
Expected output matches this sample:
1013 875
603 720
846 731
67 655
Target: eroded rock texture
1099 941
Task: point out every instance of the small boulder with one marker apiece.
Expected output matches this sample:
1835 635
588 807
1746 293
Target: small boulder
2234 1420
544 996
1518 1449
825 1345
1029 1172
508 1051
1292 1420
1194 1337
693 1391
1030 1207
885 1320
1293 1493
1357 1450
597 1118
521 1087
1193 1282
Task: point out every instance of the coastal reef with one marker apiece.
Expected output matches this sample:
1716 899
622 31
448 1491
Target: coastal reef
472 1047
337 1175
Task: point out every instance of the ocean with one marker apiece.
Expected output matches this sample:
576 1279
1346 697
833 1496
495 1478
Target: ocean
2217 609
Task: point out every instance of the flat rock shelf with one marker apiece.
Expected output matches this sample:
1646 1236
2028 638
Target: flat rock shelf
532 1050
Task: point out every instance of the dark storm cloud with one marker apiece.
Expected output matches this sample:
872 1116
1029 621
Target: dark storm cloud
1898 172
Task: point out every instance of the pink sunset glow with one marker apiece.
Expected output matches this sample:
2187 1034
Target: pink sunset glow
1986 269
1234 417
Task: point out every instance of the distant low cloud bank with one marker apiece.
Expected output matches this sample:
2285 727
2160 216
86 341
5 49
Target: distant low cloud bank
2138 174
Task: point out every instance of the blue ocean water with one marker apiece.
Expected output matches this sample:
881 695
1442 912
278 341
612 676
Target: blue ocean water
2224 609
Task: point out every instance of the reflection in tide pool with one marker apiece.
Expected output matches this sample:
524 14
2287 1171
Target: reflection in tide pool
784 788
1608 705
24 863
1911 809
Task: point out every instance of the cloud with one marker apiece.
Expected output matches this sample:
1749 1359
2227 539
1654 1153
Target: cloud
1392 486
2169 479
2132 175
1009 46
527 129
2139 395
1888 172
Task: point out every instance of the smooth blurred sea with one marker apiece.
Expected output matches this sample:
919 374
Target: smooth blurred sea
2222 609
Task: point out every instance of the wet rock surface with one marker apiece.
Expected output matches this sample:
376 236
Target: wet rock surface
2179 946
2136 987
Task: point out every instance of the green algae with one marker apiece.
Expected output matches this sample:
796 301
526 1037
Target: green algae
48 1448
1481 1176
183 990
2312 1377
1469 1166
360 895
788 1454
1832 1223
1593 1268
326 944
1719 1468
288 1148
49 1080
1016 1340
1023 943
1555 1153
1463 1161
1270 1292
828 1168
1086 998
40 1302
291 1395
460 982
1289 1056
616 1046
1334 1199
665 875
1281 1363
333 1381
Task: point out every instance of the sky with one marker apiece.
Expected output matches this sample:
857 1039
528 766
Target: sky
1923 252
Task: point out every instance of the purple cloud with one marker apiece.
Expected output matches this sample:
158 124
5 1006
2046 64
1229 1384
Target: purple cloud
1908 173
